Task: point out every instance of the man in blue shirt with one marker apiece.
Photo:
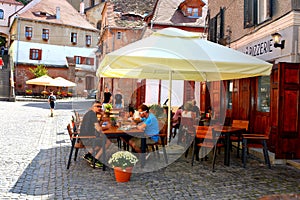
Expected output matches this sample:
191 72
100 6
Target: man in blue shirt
150 126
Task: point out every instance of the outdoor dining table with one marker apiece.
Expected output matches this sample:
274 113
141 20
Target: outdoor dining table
227 131
116 132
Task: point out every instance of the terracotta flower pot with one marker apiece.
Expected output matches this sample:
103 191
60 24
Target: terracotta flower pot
122 176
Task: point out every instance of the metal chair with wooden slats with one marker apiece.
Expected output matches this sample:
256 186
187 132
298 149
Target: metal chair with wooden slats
76 144
238 137
256 141
186 133
163 127
207 138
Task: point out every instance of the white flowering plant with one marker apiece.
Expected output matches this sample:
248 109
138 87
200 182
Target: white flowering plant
123 159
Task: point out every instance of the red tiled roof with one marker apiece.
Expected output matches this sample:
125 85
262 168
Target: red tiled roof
68 14
11 2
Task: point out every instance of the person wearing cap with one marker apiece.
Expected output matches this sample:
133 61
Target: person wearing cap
51 101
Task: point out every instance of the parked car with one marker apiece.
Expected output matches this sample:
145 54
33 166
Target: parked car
92 94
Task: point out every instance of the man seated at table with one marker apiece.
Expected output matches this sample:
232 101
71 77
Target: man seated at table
150 126
90 127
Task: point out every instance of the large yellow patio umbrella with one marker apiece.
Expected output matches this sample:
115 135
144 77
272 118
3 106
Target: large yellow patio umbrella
174 54
42 80
62 82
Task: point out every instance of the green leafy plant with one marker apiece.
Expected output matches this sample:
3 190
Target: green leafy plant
108 107
123 159
39 71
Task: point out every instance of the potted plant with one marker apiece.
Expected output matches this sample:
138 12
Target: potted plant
123 162
108 107
28 92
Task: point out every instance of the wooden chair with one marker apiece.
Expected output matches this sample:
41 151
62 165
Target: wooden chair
76 144
237 138
186 133
207 138
163 134
256 141
174 129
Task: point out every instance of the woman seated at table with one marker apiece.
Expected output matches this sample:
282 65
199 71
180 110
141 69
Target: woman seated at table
150 126
188 110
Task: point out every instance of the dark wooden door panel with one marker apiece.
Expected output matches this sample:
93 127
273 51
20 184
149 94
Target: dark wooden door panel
290 121
288 139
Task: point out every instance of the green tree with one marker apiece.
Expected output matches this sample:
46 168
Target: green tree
40 70
24 2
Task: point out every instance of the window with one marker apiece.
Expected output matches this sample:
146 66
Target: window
88 40
89 61
1 14
74 38
256 12
35 54
216 27
84 60
195 12
263 99
28 32
45 34
77 59
119 35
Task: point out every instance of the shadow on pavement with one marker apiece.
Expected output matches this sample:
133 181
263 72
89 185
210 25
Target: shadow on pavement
47 176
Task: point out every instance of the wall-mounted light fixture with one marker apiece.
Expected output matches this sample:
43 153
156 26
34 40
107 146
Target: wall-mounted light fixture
277 40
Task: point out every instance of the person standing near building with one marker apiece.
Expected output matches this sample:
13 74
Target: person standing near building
118 99
51 101
107 97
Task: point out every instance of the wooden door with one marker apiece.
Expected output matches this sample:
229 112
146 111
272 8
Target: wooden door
288 111
215 92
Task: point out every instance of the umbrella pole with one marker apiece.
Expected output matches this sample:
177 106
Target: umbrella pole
169 104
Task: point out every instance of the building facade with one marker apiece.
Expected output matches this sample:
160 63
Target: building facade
57 37
127 24
252 27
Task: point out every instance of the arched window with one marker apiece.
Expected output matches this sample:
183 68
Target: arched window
1 14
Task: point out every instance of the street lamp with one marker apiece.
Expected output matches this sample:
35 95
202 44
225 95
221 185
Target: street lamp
277 40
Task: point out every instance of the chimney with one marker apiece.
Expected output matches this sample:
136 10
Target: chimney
57 12
81 8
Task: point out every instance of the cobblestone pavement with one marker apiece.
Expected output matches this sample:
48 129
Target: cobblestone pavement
35 149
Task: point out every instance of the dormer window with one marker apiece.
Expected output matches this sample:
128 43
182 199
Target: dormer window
192 9
42 14
192 12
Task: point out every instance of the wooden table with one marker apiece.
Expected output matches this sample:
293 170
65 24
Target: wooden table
227 131
115 132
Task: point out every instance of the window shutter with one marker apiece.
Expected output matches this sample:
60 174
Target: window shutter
221 22
30 54
40 55
82 60
212 30
92 61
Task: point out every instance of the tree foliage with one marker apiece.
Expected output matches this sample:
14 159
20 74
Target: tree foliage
39 71
24 2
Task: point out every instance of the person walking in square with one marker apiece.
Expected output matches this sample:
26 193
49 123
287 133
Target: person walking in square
51 101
